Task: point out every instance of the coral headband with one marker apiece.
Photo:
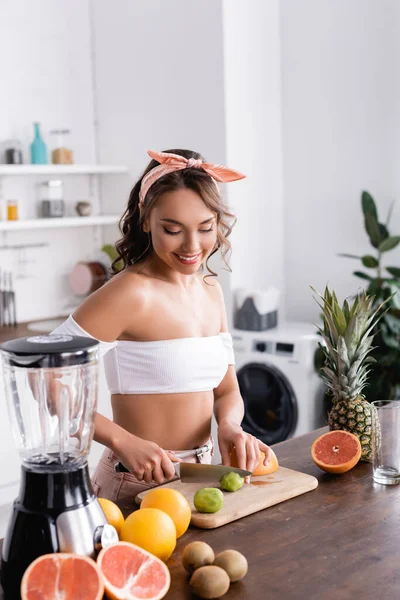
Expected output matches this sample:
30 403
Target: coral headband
174 162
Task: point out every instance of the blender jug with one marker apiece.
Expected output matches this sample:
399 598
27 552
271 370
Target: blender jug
51 393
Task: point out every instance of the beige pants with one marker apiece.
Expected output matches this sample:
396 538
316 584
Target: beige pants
107 483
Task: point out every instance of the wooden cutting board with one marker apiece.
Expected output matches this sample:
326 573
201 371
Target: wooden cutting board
261 493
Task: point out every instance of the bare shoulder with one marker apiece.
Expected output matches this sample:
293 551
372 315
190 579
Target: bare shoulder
213 287
214 290
106 313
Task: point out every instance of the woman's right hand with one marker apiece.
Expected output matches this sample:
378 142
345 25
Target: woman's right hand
146 460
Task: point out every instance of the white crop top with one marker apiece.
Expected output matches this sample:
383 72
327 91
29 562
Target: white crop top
193 364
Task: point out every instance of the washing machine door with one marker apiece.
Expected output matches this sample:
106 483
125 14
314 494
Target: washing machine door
269 401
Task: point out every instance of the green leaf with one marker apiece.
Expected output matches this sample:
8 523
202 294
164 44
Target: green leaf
389 243
368 205
372 228
395 271
348 255
369 261
383 230
362 275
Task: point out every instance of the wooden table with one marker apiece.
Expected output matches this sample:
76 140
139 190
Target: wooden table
337 542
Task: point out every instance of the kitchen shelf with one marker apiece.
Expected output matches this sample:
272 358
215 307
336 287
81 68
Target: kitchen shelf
61 169
61 222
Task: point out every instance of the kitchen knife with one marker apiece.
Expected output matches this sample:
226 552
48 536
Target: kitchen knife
200 472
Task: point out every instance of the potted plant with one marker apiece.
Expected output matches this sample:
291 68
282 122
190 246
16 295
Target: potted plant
383 283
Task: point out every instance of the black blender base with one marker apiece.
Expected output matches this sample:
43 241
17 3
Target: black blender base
32 529
31 535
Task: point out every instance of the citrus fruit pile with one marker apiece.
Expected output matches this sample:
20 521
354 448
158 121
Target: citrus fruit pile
336 451
164 516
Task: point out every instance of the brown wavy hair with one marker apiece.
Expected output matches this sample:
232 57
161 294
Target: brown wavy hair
135 245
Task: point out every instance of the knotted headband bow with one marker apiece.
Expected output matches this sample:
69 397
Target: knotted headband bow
170 162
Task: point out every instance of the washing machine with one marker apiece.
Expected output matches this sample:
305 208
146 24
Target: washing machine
282 393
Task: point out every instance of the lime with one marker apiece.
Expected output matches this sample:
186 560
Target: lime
231 482
208 500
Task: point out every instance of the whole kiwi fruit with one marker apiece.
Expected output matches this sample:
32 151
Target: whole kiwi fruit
233 562
210 582
197 554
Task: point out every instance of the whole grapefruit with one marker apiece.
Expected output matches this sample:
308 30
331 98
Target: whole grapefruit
261 469
173 503
113 513
151 529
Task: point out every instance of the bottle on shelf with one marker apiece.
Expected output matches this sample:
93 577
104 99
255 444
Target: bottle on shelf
12 210
38 148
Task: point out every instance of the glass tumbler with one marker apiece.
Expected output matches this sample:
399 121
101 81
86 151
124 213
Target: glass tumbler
386 441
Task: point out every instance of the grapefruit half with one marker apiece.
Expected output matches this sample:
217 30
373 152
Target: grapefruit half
336 451
62 575
131 573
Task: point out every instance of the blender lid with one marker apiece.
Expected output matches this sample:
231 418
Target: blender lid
47 351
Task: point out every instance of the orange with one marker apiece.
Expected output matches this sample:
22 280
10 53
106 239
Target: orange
131 573
151 529
66 576
261 469
173 503
113 513
336 451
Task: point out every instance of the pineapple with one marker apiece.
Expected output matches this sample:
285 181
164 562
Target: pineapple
348 337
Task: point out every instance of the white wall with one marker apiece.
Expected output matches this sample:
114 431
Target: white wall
158 84
340 136
252 76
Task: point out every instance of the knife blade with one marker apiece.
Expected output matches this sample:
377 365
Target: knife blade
200 472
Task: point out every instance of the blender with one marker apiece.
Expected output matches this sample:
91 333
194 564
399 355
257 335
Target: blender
51 393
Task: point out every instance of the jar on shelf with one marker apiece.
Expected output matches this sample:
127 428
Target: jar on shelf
52 199
12 210
13 152
61 154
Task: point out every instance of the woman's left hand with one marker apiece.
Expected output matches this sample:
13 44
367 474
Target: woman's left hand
247 446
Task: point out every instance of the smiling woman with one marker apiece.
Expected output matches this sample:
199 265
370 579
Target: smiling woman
174 176
162 325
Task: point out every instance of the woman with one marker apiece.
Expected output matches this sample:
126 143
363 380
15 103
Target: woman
162 325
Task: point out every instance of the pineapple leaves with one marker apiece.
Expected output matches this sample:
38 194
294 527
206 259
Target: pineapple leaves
348 333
